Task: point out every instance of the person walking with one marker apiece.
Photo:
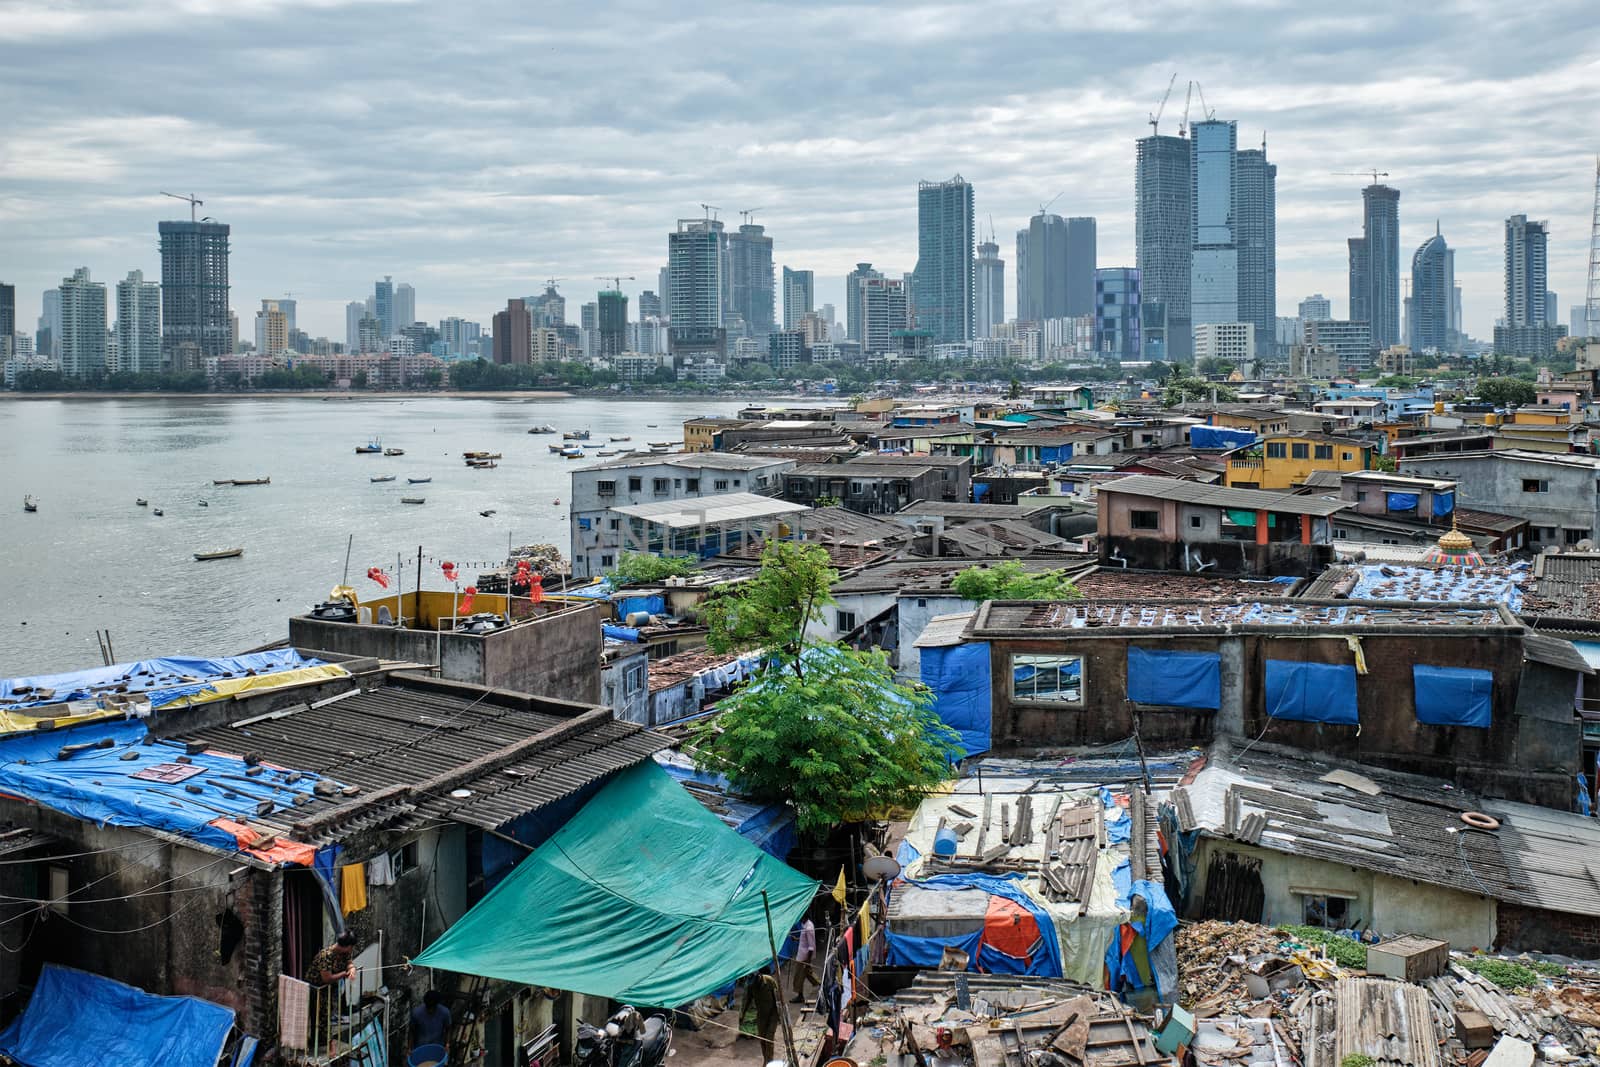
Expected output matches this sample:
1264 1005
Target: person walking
804 970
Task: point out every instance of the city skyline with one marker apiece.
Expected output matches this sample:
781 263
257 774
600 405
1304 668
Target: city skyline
487 217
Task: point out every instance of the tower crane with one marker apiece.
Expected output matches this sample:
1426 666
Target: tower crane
1183 127
1206 111
1155 116
550 283
1046 207
616 280
1375 173
710 210
192 200
749 214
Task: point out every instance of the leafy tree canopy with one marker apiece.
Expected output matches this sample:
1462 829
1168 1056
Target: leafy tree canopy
771 610
1008 581
1505 391
1181 390
634 567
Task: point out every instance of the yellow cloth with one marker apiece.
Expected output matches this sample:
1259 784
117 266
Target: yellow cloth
866 920
352 887
838 890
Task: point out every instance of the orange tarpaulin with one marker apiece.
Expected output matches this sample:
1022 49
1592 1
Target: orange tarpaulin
1010 928
281 851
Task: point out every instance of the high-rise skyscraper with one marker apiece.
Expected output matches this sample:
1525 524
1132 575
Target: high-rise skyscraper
884 313
196 320
611 322
8 317
943 280
1163 240
1526 250
1214 273
750 279
513 334
1375 266
383 306
405 306
354 312
990 293
272 329
664 288
1432 293
1117 315
649 305
1256 234
83 326
1082 257
139 324
1042 269
1316 307
799 294
853 317
695 283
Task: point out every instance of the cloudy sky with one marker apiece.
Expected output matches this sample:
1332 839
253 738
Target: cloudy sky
474 149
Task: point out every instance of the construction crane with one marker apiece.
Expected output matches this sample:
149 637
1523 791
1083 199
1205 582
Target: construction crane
616 280
1375 173
1207 112
1183 127
749 213
1155 116
550 283
710 210
192 200
1046 207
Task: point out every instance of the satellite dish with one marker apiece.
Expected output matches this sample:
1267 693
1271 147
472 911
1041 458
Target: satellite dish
880 867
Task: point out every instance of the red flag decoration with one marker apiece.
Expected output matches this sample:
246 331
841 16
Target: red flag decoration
377 575
523 574
467 595
536 590
449 570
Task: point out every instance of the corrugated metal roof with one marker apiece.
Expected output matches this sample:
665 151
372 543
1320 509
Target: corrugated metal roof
709 510
722 461
1218 496
1542 648
944 630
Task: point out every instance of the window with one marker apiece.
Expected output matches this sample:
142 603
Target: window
1300 450
659 486
404 858
677 483
693 485
1329 911
1326 452
1572 537
1145 520
635 484
607 561
1348 456
721 486
1194 522
1544 533
616 524
1276 450
845 621
1057 679
737 483
634 680
606 488
1535 485
60 886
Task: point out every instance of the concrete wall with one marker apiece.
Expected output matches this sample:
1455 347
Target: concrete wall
629 707
1382 903
1494 483
1225 555
916 610
865 606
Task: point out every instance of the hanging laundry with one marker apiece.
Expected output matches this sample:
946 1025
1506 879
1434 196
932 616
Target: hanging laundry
352 887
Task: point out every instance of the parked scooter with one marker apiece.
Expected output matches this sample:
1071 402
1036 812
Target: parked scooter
542 1050
628 1039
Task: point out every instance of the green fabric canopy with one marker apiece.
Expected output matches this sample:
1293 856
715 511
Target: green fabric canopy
644 897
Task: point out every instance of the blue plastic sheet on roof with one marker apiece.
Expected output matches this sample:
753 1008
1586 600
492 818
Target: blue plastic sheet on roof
906 951
1220 437
1046 963
1453 696
1402 501
619 633
600 590
165 680
1443 503
1442 583
655 605
979 491
770 827
959 678
97 785
1175 679
75 1018
1311 692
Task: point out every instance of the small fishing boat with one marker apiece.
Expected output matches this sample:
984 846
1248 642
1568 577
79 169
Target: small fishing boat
381 478
480 455
371 448
141 502
29 504
482 464
418 481
593 444
229 481
394 451
572 452
556 502
608 452
413 500
557 449
220 553
253 481
660 446
623 437
651 425
486 512
157 512
576 435
543 429
204 504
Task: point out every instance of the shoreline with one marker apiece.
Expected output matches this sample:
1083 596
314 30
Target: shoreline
294 394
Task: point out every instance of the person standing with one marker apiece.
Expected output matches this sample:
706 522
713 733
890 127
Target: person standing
334 964
804 970
430 1021
763 994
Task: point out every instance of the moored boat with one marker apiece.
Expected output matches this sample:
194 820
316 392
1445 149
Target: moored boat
204 504
623 437
556 449
576 435
29 504
141 502
371 448
220 553
413 500
381 478
157 511
547 428
229 481
419 481
394 451
572 452
486 512
252 481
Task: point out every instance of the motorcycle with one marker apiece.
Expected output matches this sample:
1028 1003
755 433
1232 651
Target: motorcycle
627 1039
542 1050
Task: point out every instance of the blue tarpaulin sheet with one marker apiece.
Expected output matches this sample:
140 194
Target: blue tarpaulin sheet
979 491
927 952
1220 437
97 785
1402 501
1175 679
76 1018
959 678
1311 692
770 827
619 633
655 605
165 680
1122 969
1453 696
600 590
1046 962
1444 503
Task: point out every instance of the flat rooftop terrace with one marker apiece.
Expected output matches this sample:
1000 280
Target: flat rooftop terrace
1004 618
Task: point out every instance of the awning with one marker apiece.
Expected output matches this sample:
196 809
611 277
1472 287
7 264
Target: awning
643 897
76 1018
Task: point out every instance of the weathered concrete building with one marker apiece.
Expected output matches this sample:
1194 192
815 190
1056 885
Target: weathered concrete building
880 485
1559 495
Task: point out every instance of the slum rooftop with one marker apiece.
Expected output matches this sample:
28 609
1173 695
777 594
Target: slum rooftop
1565 585
732 461
1488 583
1013 618
1217 496
709 510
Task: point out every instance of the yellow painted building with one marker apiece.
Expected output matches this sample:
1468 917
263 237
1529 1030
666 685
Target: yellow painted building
1285 461
1240 417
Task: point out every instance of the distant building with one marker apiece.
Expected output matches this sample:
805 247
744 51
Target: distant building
695 261
513 330
8 315
786 349
884 314
460 337
369 337
194 293
1234 342
1432 289
1118 315
1163 239
1214 272
1526 331
1375 265
649 305
354 312
799 294
272 328
139 324
1055 268
1352 340
1315 306
612 322
83 326
405 306
750 279
1256 234
1314 362
990 289
1552 308
383 306
943 280
852 296
47 343
549 309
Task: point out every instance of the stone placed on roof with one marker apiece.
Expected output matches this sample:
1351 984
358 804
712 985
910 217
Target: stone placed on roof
1012 618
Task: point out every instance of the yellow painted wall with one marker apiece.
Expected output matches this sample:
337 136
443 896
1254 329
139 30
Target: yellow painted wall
1268 472
1253 423
440 604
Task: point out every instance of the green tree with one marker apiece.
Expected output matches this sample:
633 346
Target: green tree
1384 463
771 610
358 380
635 567
1014 391
1502 392
1396 381
1182 390
1214 365
1009 581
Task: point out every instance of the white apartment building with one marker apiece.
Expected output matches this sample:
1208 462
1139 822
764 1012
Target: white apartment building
1232 341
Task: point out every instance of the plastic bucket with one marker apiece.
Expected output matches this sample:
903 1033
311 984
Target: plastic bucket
427 1056
944 842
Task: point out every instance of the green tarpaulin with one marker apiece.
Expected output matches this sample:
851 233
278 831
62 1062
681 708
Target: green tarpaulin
644 897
